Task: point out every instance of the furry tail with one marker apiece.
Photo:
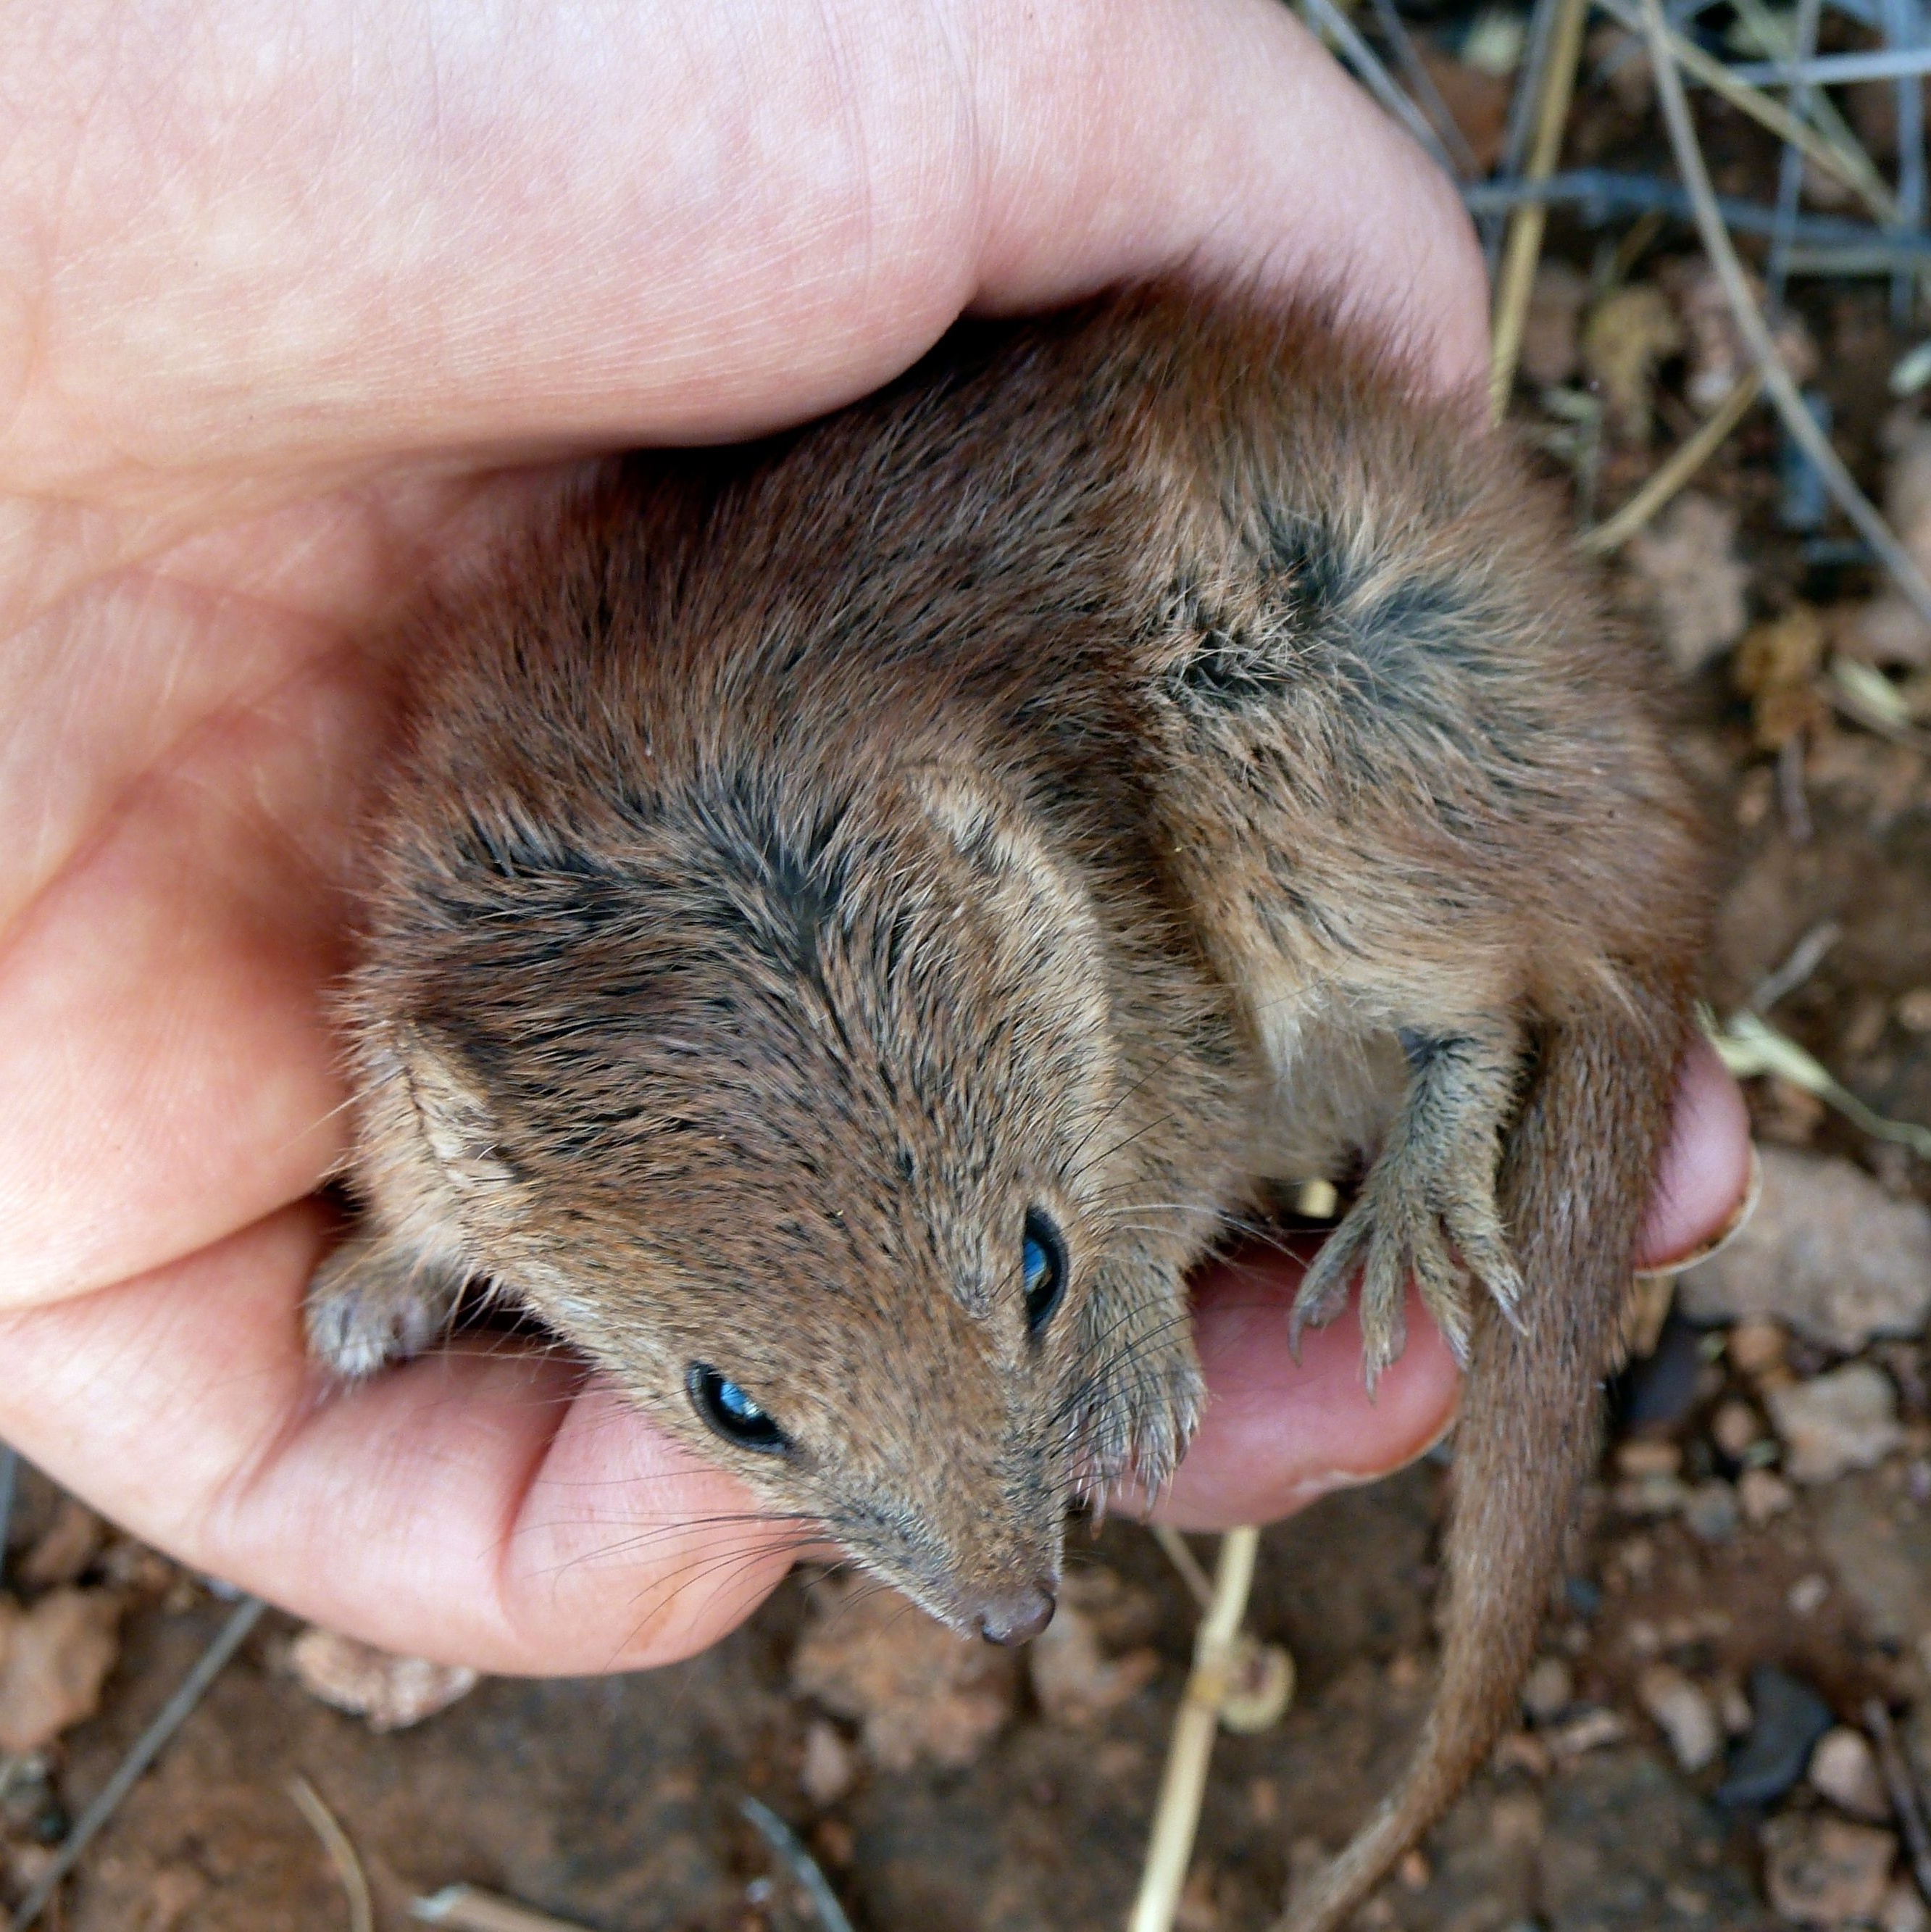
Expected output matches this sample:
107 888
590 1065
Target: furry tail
1577 1173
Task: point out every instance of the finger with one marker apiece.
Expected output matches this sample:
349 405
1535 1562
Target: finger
389 232
1277 1434
1706 1168
163 1048
493 1509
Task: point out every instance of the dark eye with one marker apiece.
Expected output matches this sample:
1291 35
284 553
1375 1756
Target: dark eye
731 1412
1043 1256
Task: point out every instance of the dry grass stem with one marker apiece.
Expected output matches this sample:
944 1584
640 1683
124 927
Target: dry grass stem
1199 1584
341 1851
141 1753
1902 1788
1613 531
1750 1044
1802 426
464 1909
1771 114
1183 1783
804 1868
1523 247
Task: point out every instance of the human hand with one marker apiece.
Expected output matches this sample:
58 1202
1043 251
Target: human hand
298 298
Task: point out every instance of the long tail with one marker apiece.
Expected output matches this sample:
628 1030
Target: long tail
1577 1173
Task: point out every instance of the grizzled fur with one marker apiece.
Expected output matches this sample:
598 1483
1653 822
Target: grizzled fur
1139 756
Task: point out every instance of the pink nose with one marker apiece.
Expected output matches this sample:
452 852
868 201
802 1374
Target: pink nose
1017 1616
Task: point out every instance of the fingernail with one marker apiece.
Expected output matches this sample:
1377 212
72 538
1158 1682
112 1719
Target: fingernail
1739 1220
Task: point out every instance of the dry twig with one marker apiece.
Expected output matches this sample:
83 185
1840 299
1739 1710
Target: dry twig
1613 531
1797 420
1184 1784
464 1909
1903 1788
141 1753
1200 1585
341 1850
1526 223
785 1842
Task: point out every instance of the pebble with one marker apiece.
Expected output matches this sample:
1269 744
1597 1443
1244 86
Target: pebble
1639 1459
54 1659
1762 1494
1548 1690
1825 1872
1806 1596
915 1691
830 1768
1844 1420
1711 1511
1828 1254
1733 1428
1684 1713
1787 1718
1843 1767
1756 1349
1591 1731
389 1692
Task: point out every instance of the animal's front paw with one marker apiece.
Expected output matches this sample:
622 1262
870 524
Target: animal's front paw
1419 1217
369 1305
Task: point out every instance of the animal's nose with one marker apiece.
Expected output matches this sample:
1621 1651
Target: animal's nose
1017 1616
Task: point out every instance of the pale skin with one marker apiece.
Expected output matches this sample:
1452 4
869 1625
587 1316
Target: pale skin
295 302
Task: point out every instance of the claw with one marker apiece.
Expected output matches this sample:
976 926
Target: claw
1324 1289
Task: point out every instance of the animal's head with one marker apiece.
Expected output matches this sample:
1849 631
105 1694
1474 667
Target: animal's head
815 1128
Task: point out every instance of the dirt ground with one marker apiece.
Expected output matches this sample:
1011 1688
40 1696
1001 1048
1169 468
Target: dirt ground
1753 1569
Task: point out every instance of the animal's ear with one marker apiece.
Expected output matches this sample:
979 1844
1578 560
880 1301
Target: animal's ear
452 1109
1002 841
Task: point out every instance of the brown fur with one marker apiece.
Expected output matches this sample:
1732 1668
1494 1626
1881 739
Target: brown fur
1139 755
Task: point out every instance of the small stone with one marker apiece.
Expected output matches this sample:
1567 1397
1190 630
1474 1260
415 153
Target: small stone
1914 1010
1762 1494
1638 1460
1548 1690
1593 1730
1710 1512
1844 1420
1788 1718
830 1767
1903 1908
1684 1714
1733 1428
1412 1871
1828 1254
387 1692
1806 1596
1757 1348
1843 1767
1824 1872
914 1689
54 1660
1074 1678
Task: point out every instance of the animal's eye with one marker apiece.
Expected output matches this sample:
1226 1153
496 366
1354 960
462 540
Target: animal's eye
731 1412
1043 1257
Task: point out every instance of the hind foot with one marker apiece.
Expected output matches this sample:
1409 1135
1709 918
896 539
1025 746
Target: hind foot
1427 1211
370 1303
